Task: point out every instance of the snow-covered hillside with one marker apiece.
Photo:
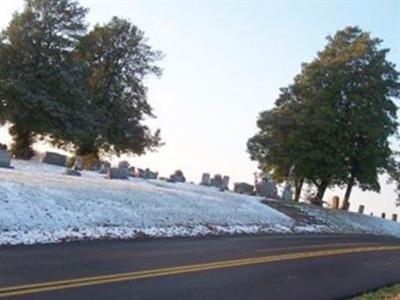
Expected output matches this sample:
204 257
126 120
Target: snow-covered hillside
39 204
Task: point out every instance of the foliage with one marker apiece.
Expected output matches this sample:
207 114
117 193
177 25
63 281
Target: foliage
118 59
40 84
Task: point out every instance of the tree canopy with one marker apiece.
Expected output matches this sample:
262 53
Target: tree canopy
40 85
75 87
118 58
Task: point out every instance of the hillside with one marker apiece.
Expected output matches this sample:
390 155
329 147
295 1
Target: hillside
39 204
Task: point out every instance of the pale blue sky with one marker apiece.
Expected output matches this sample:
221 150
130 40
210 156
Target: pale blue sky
225 62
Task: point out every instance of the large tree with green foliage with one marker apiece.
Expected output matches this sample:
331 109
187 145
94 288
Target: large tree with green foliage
353 85
40 83
118 59
343 114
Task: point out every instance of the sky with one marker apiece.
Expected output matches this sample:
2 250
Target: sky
224 62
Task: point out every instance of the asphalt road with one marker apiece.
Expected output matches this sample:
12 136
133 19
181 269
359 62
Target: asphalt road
252 267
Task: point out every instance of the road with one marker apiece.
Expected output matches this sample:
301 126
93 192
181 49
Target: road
244 267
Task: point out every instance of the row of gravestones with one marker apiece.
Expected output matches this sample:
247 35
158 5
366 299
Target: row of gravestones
123 171
217 181
361 210
264 188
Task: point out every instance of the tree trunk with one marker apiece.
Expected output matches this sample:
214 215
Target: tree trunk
22 142
298 185
320 193
90 155
345 204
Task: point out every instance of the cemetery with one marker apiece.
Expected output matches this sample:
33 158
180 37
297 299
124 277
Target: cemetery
55 202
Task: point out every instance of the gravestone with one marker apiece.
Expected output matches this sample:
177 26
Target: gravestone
225 183
104 167
72 172
53 158
383 215
205 179
394 217
335 201
267 189
79 163
361 209
243 188
117 173
124 167
132 171
216 181
150 174
287 194
5 159
177 177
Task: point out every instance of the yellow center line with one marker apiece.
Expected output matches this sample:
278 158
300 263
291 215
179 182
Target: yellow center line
313 246
97 280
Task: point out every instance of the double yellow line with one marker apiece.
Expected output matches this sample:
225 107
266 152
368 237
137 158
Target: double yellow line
97 280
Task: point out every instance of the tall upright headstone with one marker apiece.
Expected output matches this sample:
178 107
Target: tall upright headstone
225 183
361 209
205 179
287 194
5 159
335 202
394 217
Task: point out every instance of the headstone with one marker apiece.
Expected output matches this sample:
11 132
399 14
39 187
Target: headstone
3 146
217 181
243 188
117 173
205 179
361 209
383 215
225 183
394 217
72 172
335 201
141 173
104 167
177 177
267 189
132 171
5 159
151 175
124 167
287 194
371 214
79 163
55 159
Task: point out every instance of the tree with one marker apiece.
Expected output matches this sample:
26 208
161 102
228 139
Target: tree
40 83
342 114
275 145
356 84
118 59
293 142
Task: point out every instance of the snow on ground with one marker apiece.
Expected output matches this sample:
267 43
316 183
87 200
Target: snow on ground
39 204
350 222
